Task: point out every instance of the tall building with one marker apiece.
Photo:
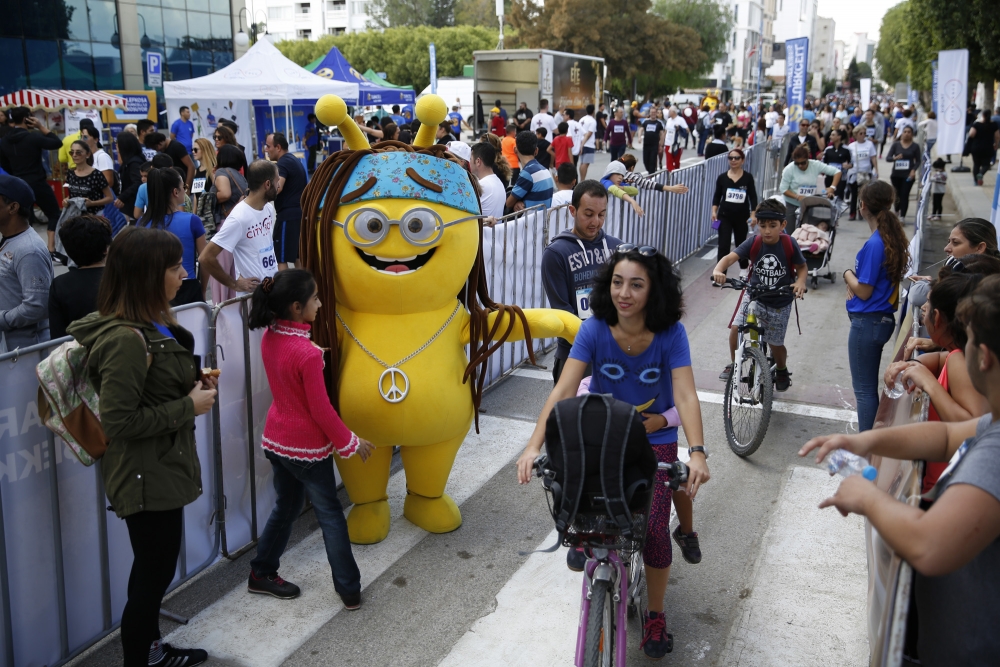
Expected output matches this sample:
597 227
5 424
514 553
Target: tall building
823 56
859 47
793 18
749 41
288 19
102 44
839 54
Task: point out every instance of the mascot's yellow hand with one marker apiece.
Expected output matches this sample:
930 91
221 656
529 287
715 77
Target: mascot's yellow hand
549 323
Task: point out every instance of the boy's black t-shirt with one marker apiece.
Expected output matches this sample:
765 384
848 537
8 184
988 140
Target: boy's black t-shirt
772 268
542 156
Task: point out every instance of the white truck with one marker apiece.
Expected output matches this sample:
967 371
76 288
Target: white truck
566 80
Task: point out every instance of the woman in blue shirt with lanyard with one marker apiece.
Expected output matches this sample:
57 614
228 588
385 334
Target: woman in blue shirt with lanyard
873 294
639 353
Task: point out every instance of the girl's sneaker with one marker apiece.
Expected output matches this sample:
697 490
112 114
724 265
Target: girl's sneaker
656 641
690 548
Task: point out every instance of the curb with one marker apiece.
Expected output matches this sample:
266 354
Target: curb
972 201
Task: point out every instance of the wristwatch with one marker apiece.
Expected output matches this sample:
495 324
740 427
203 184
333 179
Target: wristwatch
698 448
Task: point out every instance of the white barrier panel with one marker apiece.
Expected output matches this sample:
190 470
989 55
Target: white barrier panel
512 256
66 571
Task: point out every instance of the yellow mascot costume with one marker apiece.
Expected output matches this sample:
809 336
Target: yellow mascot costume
395 244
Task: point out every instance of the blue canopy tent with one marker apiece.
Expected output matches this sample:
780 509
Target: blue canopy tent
334 66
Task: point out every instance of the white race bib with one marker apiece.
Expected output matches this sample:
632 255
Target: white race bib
197 186
735 196
870 131
267 259
901 165
619 129
671 132
837 165
863 154
807 190
583 303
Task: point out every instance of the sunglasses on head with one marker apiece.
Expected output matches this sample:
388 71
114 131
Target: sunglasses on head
644 250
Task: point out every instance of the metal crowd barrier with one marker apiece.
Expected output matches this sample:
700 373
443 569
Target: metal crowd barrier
890 579
64 565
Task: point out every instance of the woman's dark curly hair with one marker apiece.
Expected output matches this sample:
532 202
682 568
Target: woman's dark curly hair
665 304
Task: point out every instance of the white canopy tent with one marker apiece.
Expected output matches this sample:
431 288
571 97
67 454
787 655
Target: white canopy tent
263 73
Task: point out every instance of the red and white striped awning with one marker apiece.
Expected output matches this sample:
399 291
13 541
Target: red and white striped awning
54 100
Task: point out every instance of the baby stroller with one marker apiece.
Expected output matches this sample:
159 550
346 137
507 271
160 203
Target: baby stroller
817 243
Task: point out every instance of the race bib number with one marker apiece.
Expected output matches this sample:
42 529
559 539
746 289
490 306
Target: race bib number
671 133
583 303
619 129
267 259
807 190
837 165
197 186
870 131
902 165
736 196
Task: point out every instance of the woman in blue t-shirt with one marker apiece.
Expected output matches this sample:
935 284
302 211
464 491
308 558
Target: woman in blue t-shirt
166 199
873 294
639 353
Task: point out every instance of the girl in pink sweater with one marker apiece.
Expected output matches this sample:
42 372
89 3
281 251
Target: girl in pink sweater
301 434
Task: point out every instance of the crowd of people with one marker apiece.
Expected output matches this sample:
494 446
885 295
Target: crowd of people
201 220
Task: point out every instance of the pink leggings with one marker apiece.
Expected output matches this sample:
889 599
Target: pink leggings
658 552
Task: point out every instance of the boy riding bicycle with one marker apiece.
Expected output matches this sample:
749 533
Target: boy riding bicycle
772 255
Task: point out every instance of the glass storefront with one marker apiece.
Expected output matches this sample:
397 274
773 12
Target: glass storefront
74 44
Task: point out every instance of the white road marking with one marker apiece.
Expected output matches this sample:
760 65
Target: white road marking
801 409
261 631
806 604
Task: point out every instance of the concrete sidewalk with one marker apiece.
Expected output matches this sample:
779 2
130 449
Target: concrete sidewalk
972 201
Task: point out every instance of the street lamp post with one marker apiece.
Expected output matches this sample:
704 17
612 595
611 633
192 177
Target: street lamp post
241 38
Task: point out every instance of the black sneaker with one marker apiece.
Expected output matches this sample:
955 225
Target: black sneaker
726 372
274 585
690 548
181 657
576 559
656 641
782 379
351 602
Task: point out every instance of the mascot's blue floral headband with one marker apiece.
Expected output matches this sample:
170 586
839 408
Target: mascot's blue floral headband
400 175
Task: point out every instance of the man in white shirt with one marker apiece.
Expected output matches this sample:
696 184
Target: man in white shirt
589 126
481 165
575 133
247 233
544 119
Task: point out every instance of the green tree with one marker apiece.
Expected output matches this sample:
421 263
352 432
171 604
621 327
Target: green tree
708 18
410 13
857 71
631 40
402 53
890 55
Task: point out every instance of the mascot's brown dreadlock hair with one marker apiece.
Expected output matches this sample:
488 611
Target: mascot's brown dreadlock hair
317 251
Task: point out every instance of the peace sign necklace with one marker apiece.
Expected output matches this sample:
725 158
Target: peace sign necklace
394 393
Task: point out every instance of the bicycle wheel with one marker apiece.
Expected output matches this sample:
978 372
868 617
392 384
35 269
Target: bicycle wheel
746 407
599 645
636 584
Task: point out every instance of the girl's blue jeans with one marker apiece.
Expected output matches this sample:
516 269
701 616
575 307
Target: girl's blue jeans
869 334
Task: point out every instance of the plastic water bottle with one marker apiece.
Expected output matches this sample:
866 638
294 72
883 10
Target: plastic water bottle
841 461
897 389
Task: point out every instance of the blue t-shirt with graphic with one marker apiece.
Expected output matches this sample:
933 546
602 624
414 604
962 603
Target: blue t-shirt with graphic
869 267
643 380
456 122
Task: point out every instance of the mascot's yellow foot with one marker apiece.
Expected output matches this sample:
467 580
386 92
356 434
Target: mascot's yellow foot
435 515
368 523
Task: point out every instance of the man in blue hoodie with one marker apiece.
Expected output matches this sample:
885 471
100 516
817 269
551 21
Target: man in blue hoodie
571 263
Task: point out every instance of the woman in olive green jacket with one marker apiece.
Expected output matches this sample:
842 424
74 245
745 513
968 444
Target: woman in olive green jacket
143 369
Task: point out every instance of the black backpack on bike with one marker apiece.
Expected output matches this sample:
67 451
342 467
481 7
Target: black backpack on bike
601 468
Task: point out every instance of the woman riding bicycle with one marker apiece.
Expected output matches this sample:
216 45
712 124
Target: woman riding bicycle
639 353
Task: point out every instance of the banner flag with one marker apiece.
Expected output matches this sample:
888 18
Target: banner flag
796 73
953 87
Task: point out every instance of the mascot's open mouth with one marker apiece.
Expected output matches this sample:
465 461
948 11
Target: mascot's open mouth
396 266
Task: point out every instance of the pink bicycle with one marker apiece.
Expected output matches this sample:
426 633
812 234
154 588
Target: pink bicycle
614 580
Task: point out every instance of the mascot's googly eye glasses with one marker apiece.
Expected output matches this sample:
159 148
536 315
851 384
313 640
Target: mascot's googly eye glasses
421 227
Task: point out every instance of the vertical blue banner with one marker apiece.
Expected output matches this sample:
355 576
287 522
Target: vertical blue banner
934 85
796 75
434 70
